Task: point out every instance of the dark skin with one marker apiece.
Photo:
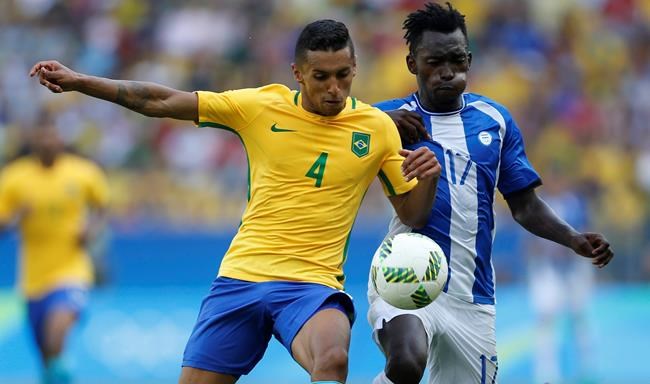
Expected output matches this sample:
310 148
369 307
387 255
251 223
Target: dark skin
440 64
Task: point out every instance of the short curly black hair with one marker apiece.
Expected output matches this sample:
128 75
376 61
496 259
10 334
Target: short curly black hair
323 35
434 17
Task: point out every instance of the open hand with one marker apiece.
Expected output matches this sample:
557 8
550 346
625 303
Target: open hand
54 76
420 163
410 126
593 246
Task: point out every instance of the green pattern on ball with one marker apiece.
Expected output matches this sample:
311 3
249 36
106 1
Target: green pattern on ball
399 275
420 297
386 248
434 267
373 272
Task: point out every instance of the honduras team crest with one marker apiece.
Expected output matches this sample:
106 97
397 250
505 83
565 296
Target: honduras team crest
360 143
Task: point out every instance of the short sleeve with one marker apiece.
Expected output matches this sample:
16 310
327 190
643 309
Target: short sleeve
515 173
390 174
232 110
98 192
8 198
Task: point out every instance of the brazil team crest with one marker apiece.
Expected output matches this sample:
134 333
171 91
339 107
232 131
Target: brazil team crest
360 143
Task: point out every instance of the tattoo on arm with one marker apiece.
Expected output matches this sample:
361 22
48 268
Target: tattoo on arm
132 95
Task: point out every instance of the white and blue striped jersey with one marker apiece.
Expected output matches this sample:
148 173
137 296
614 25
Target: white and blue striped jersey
480 149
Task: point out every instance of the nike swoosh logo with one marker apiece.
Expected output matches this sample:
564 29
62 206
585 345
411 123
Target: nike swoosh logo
274 128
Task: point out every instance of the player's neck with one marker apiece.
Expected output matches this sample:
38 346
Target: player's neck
439 106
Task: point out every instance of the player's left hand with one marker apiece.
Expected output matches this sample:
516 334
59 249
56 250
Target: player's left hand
420 163
593 246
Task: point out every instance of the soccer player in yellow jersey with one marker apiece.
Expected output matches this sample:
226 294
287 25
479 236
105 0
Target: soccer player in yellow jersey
312 155
52 196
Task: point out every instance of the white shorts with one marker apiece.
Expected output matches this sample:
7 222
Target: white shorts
462 338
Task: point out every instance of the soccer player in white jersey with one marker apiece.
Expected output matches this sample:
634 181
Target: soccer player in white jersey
480 149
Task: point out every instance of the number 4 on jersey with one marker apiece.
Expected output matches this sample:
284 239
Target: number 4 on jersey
317 169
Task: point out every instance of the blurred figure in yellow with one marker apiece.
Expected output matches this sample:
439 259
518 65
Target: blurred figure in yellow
58 202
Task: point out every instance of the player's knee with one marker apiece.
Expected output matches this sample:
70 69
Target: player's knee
334 361
406 365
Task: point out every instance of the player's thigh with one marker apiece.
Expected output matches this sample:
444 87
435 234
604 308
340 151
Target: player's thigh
404 338
51 316
326 332
427 322
232 330
57 325
191 375
466 351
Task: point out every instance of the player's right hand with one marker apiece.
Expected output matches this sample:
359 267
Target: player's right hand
410 126
54 76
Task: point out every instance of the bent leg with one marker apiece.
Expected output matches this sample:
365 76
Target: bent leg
231 333
55 331
404 342
321 346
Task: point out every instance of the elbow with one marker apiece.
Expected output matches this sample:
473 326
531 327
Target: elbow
521 216
154 109
518 217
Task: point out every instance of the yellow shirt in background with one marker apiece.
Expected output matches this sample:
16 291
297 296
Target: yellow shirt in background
55 200
307 176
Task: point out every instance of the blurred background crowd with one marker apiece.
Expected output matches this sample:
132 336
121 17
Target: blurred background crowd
575 74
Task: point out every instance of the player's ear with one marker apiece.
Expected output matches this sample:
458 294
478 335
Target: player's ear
410 63
296 73
469 59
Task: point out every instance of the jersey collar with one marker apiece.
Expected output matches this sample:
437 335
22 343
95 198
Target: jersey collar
417 101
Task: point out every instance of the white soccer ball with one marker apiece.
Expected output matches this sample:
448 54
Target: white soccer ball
409 270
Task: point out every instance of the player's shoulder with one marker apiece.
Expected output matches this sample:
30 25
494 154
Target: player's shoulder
20 171
264 93
19 165
369 112
274 91
486 104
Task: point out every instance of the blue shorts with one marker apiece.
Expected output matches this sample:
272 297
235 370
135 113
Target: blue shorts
70 298
237 319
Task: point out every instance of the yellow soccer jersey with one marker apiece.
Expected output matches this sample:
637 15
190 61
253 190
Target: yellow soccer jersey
55 200
307 176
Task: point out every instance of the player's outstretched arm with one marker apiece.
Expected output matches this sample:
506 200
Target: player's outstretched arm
149 99
532 213
414 207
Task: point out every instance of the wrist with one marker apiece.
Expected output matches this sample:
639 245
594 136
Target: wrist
79 82
575 240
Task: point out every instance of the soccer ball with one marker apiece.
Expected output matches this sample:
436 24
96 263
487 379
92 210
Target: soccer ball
409 270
